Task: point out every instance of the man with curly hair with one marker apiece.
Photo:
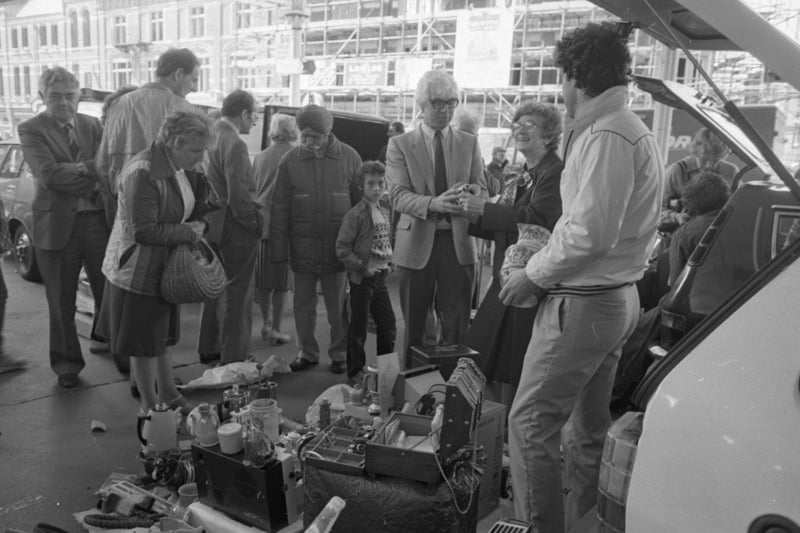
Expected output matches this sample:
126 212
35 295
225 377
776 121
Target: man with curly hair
583 282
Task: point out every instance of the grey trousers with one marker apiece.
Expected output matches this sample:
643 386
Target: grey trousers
334 292
566 384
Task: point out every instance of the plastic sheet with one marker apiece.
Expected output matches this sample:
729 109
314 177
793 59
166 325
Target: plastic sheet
242 373
388 505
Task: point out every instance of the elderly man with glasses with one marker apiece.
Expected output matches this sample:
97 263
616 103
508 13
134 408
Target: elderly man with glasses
234 230
428 170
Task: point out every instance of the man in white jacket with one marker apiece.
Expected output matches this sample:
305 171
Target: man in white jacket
583 281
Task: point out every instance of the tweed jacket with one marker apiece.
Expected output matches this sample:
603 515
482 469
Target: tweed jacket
409 172
58 181
148 222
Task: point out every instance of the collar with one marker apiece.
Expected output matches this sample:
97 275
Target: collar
429 132
157 85
60 124
604 103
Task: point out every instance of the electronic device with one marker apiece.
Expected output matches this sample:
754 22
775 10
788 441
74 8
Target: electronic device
258 497
509 525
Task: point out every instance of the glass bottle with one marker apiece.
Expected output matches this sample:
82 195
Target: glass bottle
206 429
325 520
258 449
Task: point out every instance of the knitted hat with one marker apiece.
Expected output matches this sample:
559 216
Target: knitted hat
315 117
498 149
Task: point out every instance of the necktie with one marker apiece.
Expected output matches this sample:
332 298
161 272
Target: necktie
439 170
72 140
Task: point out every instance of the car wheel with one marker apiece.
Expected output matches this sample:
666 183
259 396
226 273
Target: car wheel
26 258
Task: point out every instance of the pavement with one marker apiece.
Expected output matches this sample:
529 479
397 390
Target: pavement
51 463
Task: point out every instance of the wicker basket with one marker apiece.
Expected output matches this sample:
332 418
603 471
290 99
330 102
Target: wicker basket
193 273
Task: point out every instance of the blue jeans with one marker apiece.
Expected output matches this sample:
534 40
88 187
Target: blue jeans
369 297
566 384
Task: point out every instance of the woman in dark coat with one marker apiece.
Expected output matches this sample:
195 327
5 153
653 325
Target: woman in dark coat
161 204
499 333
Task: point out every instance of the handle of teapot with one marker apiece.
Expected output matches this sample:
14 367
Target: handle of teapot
140 428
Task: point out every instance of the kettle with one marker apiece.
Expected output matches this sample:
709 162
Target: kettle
369 383
158 431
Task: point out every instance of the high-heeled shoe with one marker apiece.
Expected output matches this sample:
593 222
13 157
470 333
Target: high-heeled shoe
181 404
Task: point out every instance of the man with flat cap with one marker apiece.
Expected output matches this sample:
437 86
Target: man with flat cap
316 185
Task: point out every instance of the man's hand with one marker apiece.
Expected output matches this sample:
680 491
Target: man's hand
519 291
370 271
198 227
447 202
471 204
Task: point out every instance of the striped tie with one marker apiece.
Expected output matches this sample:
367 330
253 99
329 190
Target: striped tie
72 140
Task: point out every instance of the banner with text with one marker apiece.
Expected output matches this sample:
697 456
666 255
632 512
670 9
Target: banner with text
483 48
365 74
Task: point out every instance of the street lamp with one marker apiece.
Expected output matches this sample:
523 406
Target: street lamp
296 16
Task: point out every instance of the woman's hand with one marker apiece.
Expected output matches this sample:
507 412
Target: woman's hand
471 204
198 227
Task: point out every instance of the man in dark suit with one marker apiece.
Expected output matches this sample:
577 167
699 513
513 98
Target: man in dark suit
235 230
69 224
428 170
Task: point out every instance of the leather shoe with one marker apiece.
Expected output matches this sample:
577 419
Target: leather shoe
68 381
338 367
301 364
98 347
210 358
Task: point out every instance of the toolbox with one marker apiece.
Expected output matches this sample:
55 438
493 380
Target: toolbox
336 449
420 462
445 357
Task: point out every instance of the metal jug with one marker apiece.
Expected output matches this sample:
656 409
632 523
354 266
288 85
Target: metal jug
369 383
158 431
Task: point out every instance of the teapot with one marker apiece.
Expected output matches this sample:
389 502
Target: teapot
158 431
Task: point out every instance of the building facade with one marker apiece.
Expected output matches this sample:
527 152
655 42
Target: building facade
358 55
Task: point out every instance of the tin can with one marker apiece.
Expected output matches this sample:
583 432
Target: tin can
324 413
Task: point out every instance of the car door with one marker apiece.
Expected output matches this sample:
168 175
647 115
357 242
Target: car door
9 174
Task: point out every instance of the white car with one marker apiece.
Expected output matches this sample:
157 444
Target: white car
714 447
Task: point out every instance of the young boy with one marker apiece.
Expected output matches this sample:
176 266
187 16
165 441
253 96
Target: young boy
364 246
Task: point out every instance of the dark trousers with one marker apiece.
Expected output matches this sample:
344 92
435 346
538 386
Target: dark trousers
444 279
60 270
226 323
369 297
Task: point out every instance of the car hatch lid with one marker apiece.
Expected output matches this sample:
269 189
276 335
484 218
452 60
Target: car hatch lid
708 114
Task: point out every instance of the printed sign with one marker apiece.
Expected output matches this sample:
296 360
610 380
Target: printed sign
365 74
483 48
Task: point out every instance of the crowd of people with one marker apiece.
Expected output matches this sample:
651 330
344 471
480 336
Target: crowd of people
115 197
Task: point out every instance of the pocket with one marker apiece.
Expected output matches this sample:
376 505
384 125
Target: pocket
125 256
563 309
301 205
404 223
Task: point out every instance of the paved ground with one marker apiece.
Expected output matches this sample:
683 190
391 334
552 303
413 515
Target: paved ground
50 461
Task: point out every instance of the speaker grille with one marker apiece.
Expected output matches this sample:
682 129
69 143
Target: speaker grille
509 525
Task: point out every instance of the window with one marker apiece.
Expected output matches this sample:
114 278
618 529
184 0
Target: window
121 72
26 81
197 22
204 83
785 228
76 69
14 38
151 70
12 163
17 82
157 26
73 29
2 87
87 79
244 12
43 35
54 35
87 28
245 77
24 37
120 29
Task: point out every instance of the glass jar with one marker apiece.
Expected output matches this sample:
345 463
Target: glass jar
205 430
258 449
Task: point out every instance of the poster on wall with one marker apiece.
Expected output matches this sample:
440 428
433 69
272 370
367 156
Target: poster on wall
365 74
483 47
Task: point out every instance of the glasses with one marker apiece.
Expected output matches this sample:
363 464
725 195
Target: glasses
528 125
57 97
441 105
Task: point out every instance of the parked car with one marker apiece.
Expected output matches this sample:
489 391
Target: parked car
711 444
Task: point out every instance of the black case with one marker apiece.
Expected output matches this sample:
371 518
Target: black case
254 496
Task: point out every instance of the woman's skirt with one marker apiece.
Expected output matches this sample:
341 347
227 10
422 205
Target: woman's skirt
500 334
140 326
269 275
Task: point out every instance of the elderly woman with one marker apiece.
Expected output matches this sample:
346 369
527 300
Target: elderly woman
705 153
272 279
161 204
499 333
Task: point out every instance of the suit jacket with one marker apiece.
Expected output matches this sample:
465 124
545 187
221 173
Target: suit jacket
409 171
58 181
230 175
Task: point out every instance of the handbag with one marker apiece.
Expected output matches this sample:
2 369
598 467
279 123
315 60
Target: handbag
193 273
